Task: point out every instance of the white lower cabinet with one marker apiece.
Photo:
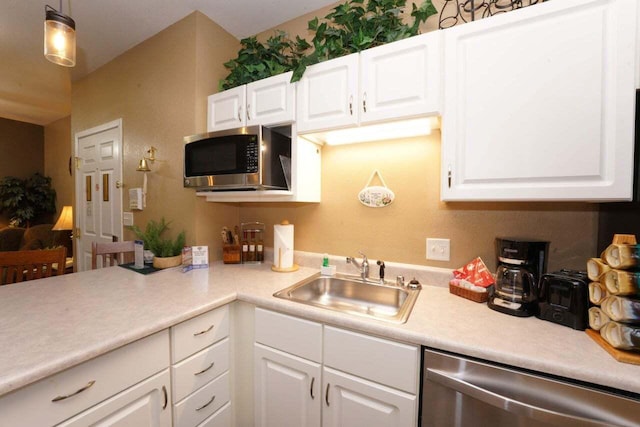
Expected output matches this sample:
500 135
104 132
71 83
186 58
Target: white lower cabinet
127 386
309 374
287 389
354 402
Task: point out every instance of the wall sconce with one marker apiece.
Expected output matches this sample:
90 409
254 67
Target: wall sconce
143 164
59 37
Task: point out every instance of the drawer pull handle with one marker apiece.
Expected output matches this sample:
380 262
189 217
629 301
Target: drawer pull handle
203 332
313 379
351 105
248 111
205 369
206 404
166 397
59 398
326 394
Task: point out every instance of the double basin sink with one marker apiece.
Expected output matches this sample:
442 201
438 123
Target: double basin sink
352 295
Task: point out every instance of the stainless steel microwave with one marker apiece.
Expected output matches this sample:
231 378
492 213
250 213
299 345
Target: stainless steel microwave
248 158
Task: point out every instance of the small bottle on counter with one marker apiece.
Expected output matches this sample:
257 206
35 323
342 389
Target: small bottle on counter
251 254
245 247
260 248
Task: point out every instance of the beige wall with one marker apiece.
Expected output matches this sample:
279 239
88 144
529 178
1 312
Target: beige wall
57 153
340 225
157 88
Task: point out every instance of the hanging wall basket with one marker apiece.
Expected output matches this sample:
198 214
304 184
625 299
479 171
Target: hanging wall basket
376 196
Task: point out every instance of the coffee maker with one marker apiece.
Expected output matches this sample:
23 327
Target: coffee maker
521 263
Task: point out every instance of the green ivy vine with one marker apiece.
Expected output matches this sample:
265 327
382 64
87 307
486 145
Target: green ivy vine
351 27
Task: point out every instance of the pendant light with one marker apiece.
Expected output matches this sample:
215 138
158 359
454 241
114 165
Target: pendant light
59 37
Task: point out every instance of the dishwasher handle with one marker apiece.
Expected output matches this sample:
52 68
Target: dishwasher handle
510 405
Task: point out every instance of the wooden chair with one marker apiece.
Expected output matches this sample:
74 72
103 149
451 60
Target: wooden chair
112 253
19 266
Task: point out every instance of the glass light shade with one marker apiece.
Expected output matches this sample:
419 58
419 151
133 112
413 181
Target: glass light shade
65 221
60 39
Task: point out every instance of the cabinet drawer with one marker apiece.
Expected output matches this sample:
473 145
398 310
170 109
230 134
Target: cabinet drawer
376 359
203 403
111 373
289 334
222 418
195 334
146 403
197 370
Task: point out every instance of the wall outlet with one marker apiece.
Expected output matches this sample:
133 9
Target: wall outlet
439 249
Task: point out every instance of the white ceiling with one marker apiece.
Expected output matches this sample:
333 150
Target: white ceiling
105 29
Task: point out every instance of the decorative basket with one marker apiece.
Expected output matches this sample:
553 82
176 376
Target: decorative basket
468 293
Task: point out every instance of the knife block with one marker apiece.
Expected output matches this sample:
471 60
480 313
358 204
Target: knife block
231 254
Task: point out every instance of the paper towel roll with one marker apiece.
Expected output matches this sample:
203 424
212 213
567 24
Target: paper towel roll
283 246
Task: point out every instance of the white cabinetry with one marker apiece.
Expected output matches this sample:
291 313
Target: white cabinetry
132 383
200 370
539 104
265 102
394 81
365 381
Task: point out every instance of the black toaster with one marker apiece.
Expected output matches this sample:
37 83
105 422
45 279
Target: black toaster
563 297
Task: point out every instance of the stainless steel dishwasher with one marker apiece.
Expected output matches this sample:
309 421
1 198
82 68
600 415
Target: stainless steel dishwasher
462 392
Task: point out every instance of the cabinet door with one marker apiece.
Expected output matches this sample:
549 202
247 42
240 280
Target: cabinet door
354 402
287 389
401 79
225 110
327 95
539 104
271 101
145 404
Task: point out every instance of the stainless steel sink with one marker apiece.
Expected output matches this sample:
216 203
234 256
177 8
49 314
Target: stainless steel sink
354 296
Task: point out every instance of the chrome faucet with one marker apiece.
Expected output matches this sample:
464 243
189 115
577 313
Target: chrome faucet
362 266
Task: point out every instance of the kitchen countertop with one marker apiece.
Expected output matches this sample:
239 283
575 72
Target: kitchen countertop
52 324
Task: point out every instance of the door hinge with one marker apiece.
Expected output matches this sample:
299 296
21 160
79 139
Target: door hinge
76 233
78 162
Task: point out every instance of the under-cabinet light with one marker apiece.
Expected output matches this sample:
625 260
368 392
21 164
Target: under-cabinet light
377 132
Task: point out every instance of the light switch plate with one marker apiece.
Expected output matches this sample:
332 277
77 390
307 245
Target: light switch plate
439 249
127 218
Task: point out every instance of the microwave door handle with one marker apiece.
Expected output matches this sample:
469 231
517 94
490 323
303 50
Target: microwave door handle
510 405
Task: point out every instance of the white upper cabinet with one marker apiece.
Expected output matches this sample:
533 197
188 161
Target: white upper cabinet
225 110
394 81
539 104
265 102
327 95
271 101
401 79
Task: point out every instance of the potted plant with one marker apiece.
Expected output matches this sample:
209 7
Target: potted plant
27 201
167 252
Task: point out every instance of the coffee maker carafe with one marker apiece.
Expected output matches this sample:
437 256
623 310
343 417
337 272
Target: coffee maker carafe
521 263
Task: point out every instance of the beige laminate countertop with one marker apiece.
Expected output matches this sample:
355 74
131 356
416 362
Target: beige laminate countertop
49 325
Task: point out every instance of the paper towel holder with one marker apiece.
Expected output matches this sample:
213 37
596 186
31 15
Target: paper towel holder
278 256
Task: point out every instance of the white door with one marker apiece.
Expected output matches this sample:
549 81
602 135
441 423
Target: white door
539 104
271 100
98 188
225 110
327 95
287 389
350 401
145 404
401 79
